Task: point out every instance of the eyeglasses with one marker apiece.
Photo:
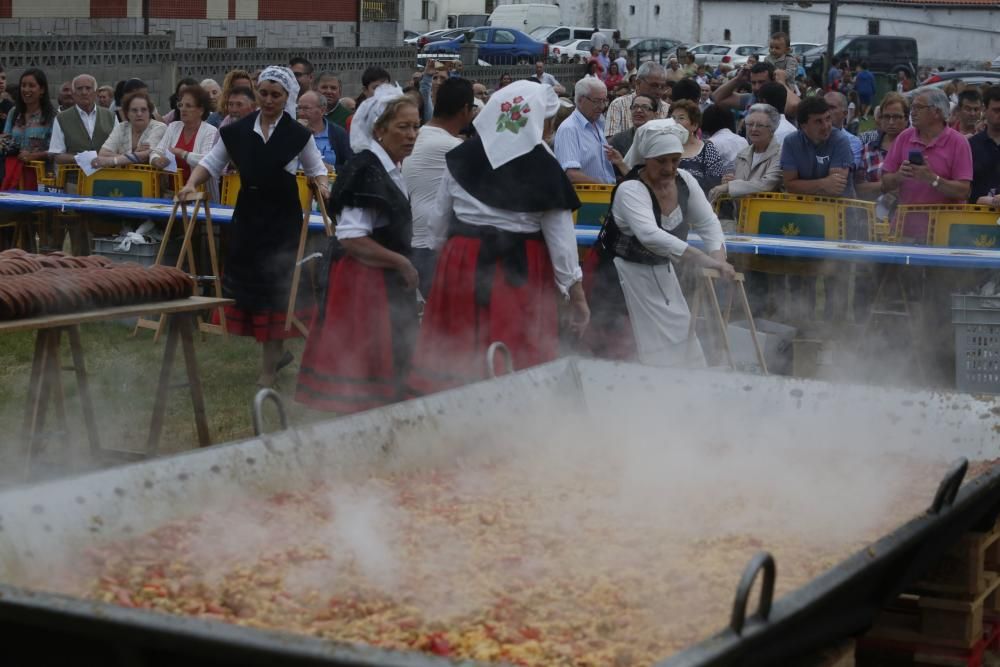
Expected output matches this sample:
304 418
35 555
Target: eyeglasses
138 110
641 107
919 107
601 101
893 117
299 74
758 126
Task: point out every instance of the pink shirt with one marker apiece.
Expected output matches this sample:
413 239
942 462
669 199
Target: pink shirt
948 155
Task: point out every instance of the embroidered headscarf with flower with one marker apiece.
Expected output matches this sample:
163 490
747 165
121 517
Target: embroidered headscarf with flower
513 121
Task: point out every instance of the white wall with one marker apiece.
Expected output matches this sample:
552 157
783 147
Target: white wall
943 35
675 19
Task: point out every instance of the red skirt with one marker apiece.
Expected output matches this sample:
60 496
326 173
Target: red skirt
356 355
456 331
264 325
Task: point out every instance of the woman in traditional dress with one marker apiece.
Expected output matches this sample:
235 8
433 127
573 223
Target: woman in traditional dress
262 242
505 220
358 353
635 288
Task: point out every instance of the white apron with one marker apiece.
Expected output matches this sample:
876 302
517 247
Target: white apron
658 311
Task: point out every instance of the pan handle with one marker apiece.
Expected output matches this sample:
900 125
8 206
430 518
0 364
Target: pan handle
258 409
949 486
491 354
761 561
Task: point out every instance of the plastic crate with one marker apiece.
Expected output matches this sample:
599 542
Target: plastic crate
140 253
977 343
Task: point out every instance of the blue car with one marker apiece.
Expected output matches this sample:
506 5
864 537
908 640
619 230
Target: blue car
497 46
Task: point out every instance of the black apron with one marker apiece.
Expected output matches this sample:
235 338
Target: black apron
263 240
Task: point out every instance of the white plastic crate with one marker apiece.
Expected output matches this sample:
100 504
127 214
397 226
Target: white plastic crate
977 343
140 253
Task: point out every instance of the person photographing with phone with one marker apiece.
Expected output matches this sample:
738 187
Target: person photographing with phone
929 163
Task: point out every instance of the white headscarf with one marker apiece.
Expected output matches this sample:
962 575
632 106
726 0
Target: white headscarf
513 121
369 111
655 138
286 79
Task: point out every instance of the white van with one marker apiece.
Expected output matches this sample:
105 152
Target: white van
553 34
525 17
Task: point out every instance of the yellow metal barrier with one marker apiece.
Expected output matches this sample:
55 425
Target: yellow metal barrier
803 216
595 201
961 225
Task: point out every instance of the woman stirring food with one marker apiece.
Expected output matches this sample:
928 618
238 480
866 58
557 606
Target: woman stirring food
358 353
267 147
130 142
652 211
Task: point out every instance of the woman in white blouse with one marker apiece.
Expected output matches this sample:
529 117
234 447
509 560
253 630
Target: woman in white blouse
262 241
651 214
132 140
359 348
190 138
504 224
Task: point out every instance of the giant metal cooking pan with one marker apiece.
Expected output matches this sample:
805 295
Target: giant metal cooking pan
39 523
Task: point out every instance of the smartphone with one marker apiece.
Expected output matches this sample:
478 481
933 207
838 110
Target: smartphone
916 157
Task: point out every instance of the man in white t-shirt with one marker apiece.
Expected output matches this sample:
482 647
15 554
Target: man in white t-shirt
424 168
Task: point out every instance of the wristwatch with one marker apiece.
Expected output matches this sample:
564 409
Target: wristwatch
934 183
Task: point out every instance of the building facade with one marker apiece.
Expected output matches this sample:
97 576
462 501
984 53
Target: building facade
213 24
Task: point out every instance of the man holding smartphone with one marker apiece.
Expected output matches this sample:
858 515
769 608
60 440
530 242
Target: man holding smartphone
929 163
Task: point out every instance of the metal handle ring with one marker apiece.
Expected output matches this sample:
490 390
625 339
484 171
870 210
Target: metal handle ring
949 486
491 353
761 561
258 409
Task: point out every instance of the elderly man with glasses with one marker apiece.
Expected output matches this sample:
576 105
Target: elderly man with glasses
929 163
651 81
580 145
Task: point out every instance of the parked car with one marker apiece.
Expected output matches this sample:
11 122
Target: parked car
996 63
975 78
496 46
410 37
652 48
970 78
554 34
713 55
439 35
798 48
569 50
884 54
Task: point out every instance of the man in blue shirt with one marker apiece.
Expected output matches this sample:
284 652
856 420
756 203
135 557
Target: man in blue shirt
864 84
579 144
331 139
816 160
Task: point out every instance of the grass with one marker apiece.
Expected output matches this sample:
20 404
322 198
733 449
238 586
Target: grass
123 372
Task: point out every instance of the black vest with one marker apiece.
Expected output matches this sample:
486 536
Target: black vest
611 241
257 161
364 183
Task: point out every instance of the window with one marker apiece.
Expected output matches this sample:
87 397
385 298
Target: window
246 42
559 35
216 43
780 23
631 10
503 37
873 27
480 36
425 12
727 35
490 6
656 10
380 10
